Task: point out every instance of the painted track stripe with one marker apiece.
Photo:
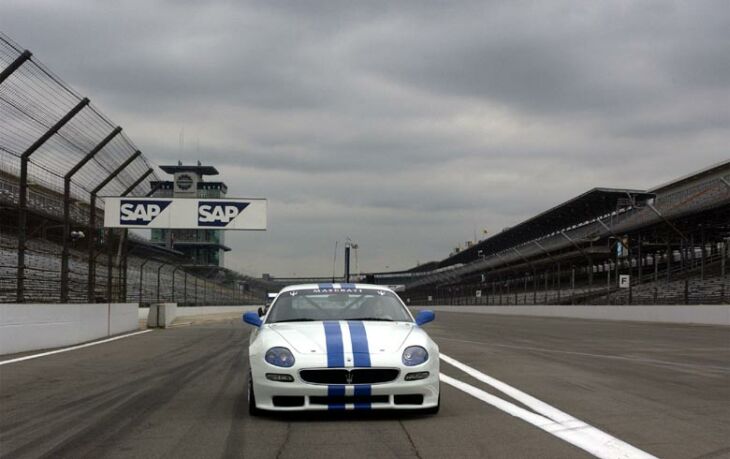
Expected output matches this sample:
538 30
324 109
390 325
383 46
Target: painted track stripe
72 348
589 438
348 286
360 347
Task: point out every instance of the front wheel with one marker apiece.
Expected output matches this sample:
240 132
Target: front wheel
252 409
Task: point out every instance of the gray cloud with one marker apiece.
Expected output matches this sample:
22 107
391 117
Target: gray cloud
405 125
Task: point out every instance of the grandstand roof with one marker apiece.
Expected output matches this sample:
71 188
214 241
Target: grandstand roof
702 173
586 207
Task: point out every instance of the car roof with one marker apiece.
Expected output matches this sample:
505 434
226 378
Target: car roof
336 286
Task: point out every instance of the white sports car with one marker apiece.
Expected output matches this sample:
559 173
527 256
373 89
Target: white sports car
341 347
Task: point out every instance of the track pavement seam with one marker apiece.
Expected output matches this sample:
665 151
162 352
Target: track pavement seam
410 440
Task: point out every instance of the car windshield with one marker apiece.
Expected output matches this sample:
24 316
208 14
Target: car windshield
337 304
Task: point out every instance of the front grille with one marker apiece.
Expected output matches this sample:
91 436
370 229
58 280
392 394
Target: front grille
353 376
344 399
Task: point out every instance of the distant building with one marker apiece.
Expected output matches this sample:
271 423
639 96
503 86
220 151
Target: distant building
205 247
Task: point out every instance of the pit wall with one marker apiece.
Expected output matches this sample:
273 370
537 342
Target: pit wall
29 327
680 314
186 311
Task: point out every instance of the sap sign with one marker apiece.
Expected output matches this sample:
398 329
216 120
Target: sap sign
181 213
219 213
140 212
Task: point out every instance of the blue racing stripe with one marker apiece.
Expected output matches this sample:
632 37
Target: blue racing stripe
360 348
325 286
363 390
336 391
335 349
335 359
347 286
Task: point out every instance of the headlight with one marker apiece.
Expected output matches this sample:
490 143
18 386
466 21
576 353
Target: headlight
280 356
414 355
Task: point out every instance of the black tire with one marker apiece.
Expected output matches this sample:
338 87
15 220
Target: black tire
252 409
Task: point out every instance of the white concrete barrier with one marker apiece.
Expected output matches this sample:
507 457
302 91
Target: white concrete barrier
683 314
27 327
161 315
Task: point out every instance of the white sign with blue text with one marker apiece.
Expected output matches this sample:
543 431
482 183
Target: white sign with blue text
181 213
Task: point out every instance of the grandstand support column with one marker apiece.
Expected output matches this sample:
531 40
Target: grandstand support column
559 282
67 208
703 254
23 193
640 260
670 255
92 223
15 65
572 285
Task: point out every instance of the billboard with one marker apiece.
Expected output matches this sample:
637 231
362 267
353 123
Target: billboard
184 213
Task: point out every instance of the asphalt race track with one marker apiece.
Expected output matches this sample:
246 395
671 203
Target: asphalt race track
663 389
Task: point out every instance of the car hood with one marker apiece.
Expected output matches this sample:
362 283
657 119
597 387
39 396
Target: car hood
311 337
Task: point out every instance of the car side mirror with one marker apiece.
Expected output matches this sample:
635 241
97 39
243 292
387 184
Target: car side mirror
424 317
252 318
260 311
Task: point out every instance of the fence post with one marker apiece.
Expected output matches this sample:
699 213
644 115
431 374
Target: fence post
159 269
141 279
110 265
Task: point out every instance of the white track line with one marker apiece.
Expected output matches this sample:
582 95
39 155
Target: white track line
72 348
550 419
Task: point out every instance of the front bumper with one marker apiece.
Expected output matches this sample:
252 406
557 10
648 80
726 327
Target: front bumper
300 396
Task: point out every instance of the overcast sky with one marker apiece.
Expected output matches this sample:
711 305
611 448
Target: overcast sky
407 126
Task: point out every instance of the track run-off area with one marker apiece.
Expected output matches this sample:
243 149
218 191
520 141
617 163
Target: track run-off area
511 387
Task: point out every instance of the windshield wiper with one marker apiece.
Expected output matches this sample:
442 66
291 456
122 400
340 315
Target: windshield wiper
379 319
302 319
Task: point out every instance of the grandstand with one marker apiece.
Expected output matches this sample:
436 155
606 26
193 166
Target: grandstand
59 155
671 240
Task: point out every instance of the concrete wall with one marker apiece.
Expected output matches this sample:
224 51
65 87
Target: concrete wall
185 311
27 327
695 314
